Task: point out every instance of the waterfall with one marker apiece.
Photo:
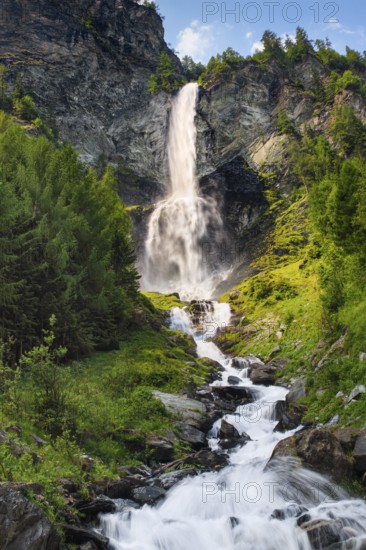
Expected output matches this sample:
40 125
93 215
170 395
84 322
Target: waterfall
184 225
247 505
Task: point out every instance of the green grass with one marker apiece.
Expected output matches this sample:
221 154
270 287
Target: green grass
282 305
109 409
164 301
285 301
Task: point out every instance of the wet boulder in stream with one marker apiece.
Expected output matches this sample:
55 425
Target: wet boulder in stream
237 394
319 449
229 437
265 376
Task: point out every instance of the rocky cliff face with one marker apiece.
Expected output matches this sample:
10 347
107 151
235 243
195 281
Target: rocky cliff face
88 66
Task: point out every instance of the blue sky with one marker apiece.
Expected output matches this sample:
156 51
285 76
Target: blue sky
202 29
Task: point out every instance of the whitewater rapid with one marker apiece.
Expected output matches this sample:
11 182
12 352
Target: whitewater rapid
232 509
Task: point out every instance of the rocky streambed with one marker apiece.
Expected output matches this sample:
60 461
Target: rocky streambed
252 469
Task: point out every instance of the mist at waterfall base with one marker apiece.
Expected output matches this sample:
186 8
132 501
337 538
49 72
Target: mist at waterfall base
232 509
185 227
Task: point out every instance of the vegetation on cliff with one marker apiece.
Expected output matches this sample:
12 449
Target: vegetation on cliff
310 289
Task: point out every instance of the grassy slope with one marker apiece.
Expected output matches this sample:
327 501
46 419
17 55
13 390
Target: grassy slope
110 410
281 306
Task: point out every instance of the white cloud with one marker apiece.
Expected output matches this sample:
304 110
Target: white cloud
335 25
249 35
196 41
257 47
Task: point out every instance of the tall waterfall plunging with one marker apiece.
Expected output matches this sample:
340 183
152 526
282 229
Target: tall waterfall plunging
184 225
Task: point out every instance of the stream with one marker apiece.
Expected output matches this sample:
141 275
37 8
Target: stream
247 505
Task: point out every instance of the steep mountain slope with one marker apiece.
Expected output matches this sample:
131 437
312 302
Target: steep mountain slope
87 65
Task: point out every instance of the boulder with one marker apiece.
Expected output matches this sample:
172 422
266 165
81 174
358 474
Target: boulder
193 436
320 450
86 463
191 411
233 442
228 431
237 394
356 393
334 421
297 392
100 505
121 488
247 362
148 495
208 460
286 420
284 448
234 380
78 535
359 454
322 533
170 479
265 376
38 440
160 449
347 437
23 525
21 487
292 511
274 352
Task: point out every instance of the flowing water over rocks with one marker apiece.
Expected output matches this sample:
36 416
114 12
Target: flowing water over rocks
254 503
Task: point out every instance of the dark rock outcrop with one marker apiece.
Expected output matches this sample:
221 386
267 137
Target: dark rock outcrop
121 488
265 375
229 437
196 438
297 392
359 454
24 525
320 450
100 505
78 535
88 66
147 495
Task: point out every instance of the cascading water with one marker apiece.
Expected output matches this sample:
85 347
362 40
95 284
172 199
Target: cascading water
183 226
232 509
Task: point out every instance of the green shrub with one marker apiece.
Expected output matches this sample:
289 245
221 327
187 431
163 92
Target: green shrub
25 108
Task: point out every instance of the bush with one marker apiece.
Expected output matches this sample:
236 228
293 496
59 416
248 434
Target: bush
25 108
166 77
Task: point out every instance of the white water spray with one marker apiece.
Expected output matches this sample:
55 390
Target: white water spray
184 225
